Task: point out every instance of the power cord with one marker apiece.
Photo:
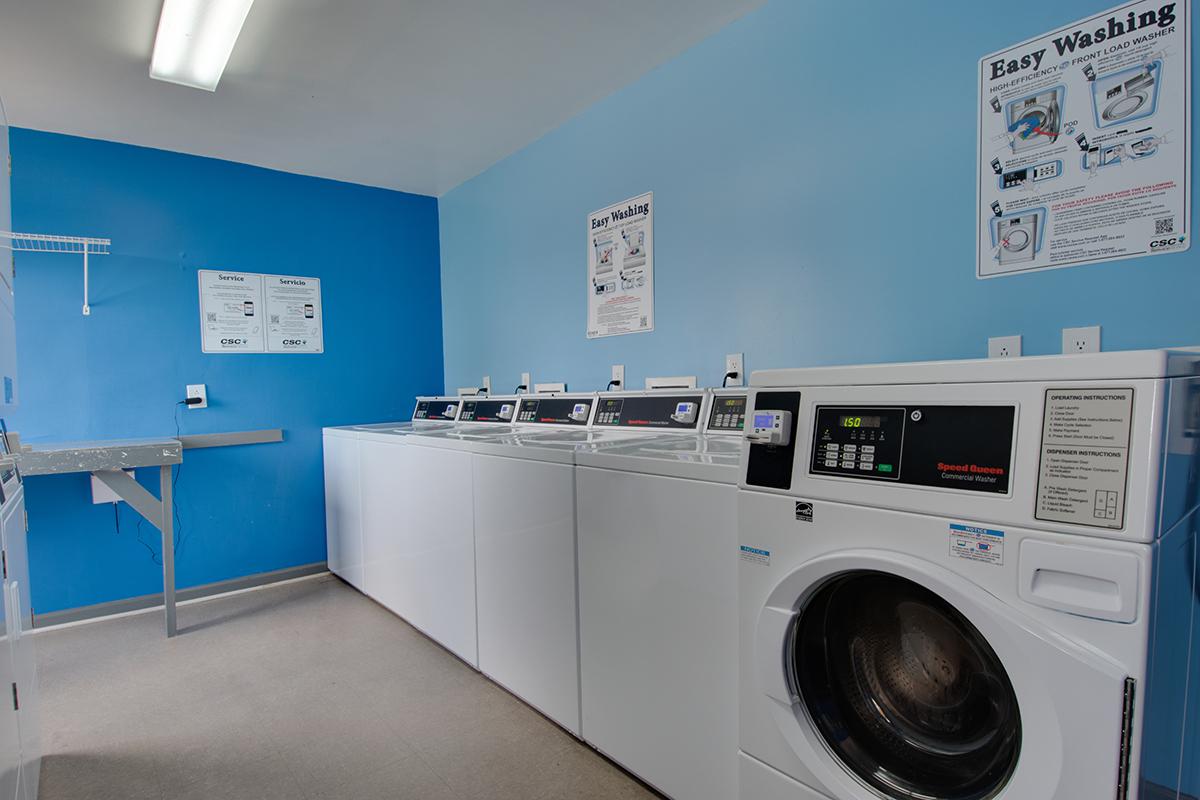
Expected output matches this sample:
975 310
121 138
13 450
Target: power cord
728 375
611 384
521 388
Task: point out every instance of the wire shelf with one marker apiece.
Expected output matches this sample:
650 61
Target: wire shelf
50 243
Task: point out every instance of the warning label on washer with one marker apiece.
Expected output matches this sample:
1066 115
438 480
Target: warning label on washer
1085 456
756 555
977 544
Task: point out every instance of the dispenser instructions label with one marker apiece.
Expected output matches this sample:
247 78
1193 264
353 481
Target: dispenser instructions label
1085 456
231 312
1085 142
620 274
977 544
245 312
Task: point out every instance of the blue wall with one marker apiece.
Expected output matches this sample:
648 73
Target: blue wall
813 166
119 372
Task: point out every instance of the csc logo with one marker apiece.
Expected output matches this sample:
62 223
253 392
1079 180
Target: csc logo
1158 244
294 342
233 341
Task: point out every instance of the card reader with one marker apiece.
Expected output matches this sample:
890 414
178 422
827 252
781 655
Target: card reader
580 412
770 427
506 411
449 411
685 413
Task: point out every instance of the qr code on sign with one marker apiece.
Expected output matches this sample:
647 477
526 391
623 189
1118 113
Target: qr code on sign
211 316
274 319
1164 225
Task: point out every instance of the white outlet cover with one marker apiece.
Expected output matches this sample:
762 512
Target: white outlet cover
526 379
1004 347
1081 340
735 362
618 374
198 390
487 383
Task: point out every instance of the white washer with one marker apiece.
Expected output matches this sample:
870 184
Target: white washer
427 525
658 604
525 534
344 530
997 603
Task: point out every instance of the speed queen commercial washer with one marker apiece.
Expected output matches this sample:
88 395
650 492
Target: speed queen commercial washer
972 580
658 603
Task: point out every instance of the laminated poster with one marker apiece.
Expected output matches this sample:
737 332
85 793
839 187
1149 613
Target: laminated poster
1085 144
620 275
245 312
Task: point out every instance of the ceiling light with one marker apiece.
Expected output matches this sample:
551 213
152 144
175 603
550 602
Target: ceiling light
195 39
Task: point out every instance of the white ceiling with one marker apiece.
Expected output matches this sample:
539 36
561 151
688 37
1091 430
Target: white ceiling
418 95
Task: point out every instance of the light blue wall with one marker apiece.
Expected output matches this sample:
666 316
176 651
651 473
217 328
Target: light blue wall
814 175
119 372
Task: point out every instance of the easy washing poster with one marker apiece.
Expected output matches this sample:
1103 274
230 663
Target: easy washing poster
620 288
1085 142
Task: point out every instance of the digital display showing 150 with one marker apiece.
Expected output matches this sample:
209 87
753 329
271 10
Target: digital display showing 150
848 421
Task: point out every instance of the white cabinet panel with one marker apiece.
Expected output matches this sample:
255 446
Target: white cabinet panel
384 473
343 510
525 574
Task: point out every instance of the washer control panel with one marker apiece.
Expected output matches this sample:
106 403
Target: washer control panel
671 411
728 413
437 408
486 411
952 447
555 411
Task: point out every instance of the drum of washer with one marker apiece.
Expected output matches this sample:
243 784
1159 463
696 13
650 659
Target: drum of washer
1123 107
905 691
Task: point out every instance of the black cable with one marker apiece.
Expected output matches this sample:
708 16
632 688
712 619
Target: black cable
611 384
725 380
521 388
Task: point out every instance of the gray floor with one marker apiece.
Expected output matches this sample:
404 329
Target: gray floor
307 690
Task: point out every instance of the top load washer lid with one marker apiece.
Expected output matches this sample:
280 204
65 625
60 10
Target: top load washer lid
705 458
1118 365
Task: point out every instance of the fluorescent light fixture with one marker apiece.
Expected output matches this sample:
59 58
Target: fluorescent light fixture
195 39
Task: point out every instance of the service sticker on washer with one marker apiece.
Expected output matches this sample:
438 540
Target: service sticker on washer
756 555
977 544
1085 456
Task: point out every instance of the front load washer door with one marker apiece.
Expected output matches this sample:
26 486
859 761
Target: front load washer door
1124 106
905 690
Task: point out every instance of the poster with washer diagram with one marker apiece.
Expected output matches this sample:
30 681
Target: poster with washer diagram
1085 143
620 274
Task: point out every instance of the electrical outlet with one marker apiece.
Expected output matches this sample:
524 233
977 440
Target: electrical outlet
618 375
1004 347
487 384
1081 340
198 390
526 381
733 363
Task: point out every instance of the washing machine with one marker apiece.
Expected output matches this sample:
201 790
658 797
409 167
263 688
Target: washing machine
524 513
658 603
344 511
971 580
1018 238
421 494
1124 96
1035 120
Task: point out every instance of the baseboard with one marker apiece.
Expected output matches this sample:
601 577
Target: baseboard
191 593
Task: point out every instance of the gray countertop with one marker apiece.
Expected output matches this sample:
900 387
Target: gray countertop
66 457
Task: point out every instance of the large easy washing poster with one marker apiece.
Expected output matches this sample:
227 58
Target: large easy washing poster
620 288
1085 143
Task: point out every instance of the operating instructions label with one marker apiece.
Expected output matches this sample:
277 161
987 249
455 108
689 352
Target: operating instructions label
1085 456
972 543
1085 143
620 272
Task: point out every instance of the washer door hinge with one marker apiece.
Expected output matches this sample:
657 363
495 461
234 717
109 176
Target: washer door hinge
1127 711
